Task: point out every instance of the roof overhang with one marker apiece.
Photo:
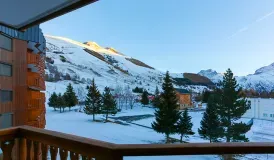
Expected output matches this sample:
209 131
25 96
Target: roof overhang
22 14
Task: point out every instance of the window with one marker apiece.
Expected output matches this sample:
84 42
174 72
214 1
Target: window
5 96
5 69
265 114
270 115
5 42
6 120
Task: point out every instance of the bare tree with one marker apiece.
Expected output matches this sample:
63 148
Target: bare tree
132 100
81 96
118 94
126 94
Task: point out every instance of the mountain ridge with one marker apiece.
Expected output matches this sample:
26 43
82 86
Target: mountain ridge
261 80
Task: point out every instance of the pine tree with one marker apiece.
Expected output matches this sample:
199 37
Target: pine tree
70 97
93 100
53 101
184 125
231 108
156 99
109 103
167 113
60 102
210 125
145 100
206 95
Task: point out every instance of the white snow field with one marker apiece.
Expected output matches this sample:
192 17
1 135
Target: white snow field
81 124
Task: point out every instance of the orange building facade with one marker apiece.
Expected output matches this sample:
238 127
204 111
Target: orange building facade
22 101
184 98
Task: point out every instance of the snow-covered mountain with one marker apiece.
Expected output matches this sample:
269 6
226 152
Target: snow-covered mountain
211 74
69 61
261 80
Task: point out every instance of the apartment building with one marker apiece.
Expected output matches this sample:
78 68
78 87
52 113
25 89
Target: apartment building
22 54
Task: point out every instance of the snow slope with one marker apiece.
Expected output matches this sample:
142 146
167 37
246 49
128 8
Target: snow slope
68 62
82 67
261 80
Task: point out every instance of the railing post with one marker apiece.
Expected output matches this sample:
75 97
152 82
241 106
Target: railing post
37 150
110 157
22 154
45 149
29 150
74 156
53 152
63 154
7 149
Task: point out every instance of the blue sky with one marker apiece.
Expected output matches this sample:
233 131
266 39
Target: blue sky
178 35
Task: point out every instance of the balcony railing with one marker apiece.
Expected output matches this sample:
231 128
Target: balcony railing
36 104
36 81
25 142
33 58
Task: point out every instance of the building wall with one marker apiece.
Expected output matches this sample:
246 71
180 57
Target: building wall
184 100
17 82
28 103
261 108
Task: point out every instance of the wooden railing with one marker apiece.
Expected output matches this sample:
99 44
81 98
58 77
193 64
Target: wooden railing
25 142
36 81
33 58
36 100
36 104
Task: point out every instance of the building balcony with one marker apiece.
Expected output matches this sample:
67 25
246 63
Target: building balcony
33 58
36 104
35 143
36 81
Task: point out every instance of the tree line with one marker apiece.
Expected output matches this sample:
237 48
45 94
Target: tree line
226 105
97 103
67 100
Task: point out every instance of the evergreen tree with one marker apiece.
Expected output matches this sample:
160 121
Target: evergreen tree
156 99
109 103
60 102
70 97
184 125
231 108
53 101
145 100
206 95
167 113
210 125
93 100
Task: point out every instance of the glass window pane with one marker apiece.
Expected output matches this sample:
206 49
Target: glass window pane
5 70
5 96
5 42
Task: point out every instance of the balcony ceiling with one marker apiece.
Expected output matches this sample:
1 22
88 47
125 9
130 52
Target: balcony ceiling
21 14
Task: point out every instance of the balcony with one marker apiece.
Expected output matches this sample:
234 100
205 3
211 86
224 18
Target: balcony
36 81
36 100
33 58
34 143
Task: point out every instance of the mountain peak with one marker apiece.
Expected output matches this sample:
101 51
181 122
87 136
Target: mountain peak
265 69
208 72
211 74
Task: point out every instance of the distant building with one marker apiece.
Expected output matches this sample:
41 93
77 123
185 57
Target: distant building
261 108
184 98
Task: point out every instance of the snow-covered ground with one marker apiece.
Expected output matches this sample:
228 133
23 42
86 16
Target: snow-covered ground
128 133
81 124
